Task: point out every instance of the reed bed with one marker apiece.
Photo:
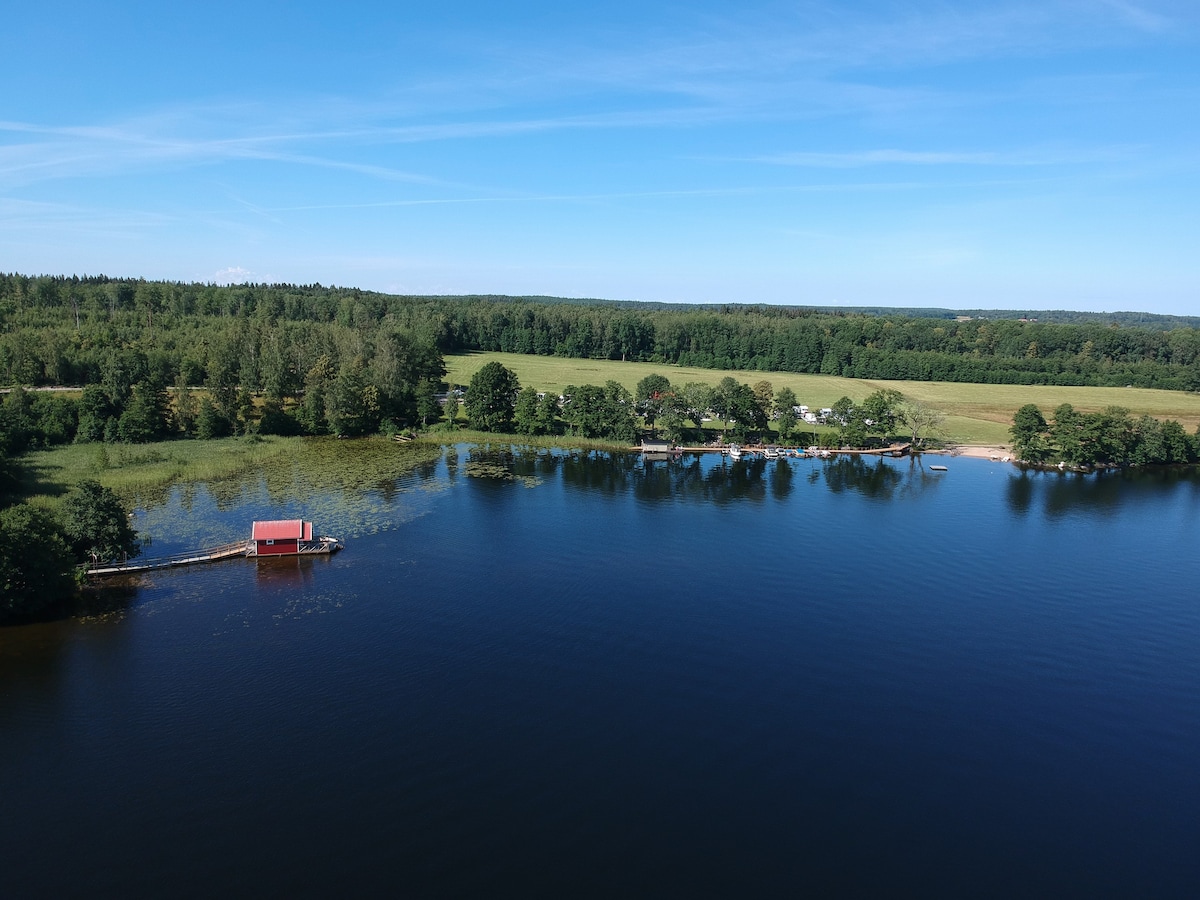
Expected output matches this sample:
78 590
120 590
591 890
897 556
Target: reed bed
138 470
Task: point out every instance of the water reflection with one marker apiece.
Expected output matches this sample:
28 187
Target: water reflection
781 479
1060 494
876 479
690 479
287 571
353 488
1019 492
425 470
103 599
695 477
608 473
187 496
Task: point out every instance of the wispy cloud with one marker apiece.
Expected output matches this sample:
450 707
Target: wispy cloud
710 192
860 158
1139 16
807 62
149 144
26 215
751 48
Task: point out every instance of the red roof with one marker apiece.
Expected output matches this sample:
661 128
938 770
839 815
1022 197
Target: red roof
282 530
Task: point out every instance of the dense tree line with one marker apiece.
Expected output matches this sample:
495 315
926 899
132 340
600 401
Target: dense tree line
40 551
269 338
856 346
161 360
1110 437
1157 321
495 401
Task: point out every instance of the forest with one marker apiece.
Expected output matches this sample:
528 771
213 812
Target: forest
269 338
155 360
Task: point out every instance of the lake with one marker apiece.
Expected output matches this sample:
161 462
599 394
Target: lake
542 673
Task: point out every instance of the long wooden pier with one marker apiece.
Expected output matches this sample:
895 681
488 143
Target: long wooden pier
212 554
891 450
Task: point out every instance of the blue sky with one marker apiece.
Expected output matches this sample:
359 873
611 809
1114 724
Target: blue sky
1005 154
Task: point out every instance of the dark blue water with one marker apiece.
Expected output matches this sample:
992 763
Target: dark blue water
590 677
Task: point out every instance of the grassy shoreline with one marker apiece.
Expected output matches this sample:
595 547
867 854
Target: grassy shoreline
137 469
138 472
975 413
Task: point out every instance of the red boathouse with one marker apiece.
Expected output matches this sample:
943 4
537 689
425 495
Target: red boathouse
281 537
288 537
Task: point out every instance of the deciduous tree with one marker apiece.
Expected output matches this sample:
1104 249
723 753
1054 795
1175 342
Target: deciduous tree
35 563
693 401
1029 434
96 524
525 412
764 396
490 398
652 395
785 411
547 414
920 421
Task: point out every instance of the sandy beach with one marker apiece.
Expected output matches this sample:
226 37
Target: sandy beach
982 451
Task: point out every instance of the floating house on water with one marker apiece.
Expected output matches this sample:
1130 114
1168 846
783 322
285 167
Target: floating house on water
288 537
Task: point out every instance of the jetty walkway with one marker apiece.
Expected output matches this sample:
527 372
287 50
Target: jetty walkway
212 554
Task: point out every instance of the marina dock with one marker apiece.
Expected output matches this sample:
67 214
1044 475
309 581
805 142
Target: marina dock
751 449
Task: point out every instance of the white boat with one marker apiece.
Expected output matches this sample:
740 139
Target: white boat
937 468
735 452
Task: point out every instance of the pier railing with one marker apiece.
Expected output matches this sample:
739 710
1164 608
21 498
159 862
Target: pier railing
224 551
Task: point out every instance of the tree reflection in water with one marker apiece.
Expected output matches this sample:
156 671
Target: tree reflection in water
697 477
1059 494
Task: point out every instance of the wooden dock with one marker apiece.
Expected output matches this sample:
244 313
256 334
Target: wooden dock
268 540
212 554
891 450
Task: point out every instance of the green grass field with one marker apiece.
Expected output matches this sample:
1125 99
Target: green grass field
975 413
